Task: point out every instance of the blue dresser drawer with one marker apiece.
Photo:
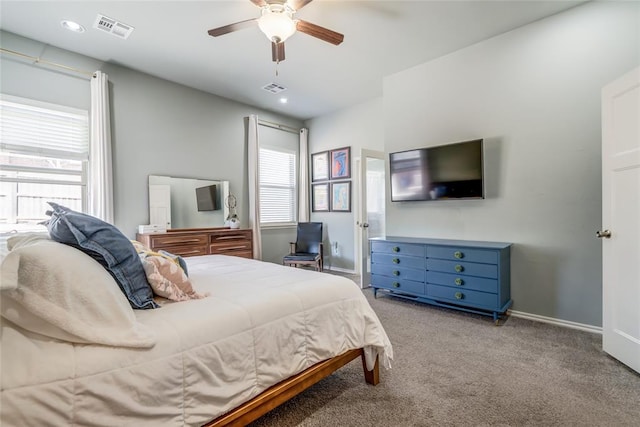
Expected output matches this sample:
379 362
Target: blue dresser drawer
461 267
400 285
399 248
399 260
463 282
466 254
463 297
398 272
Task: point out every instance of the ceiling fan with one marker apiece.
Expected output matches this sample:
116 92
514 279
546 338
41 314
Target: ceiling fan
277 23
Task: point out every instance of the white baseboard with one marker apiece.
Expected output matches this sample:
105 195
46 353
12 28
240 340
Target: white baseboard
558 322
341 270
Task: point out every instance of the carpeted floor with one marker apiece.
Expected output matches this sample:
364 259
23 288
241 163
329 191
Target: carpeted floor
458 369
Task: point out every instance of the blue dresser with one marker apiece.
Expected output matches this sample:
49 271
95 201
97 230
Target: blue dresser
464 275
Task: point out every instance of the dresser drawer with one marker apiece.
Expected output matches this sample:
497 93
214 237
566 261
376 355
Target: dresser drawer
461 281
463 296
464 268
166 240
463 254
398 272
184 251
230 246
394 284
399 260
229 236
399 248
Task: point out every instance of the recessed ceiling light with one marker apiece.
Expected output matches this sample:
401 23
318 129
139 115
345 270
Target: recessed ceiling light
72 26
283 100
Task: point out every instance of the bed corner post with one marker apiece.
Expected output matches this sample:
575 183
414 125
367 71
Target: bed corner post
371 377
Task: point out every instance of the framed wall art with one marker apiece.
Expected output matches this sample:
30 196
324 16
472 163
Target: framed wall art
341 196
320 197
340 163
320 166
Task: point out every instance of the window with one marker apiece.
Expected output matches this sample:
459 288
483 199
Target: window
44 150
278 186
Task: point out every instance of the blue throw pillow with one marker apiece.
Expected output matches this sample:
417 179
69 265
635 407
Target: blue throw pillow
107 245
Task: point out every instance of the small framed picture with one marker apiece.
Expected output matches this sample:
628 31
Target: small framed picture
341 196
320 197
340 163
320 166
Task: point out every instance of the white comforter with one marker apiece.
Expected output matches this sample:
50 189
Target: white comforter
262 323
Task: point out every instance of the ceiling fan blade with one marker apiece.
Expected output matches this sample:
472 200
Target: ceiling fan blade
319 32
298 4
277 52
259 3
226 29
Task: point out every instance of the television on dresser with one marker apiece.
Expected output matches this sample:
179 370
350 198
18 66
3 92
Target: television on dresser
206 198
443 172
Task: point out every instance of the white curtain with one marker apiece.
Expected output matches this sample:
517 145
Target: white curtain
253 149
100 185
303 184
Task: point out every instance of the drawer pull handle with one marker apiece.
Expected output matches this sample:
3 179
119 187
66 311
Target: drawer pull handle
458 254
458 268
396 249
459 295
396 273
195 251
178 241
396 284
396 261
459 281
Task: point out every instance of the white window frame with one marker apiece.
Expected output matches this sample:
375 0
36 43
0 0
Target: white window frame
293 189
78 151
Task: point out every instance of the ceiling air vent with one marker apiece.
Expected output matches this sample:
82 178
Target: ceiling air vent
274 88
112 26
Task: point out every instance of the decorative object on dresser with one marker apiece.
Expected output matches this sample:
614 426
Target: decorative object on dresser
465 275
201 241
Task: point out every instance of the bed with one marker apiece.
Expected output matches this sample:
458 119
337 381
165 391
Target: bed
262 334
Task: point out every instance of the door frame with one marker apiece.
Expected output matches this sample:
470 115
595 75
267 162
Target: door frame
360 214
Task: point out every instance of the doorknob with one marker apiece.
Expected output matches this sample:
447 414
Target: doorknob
365 225
603 234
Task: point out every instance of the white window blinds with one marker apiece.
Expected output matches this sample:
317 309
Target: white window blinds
31 127
277 186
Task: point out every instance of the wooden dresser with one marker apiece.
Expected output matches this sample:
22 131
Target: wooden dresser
201 241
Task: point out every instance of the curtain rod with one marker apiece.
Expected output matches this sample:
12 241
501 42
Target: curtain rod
38 60
278 126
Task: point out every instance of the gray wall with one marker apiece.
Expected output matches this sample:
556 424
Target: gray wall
361 126
534 95
158 127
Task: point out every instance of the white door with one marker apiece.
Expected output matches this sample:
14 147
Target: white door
621 219
371 215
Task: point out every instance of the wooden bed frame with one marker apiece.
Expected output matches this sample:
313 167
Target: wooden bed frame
285 390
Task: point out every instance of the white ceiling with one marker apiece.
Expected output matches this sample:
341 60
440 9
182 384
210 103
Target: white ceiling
171 41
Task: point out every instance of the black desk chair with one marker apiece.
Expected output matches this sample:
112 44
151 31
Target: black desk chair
307 249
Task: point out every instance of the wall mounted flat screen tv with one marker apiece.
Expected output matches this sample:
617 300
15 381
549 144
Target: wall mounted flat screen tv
452 171
206 198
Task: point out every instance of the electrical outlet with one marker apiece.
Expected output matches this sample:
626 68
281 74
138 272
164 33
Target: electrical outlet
335 249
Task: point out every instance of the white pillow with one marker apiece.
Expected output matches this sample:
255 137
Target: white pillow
58 291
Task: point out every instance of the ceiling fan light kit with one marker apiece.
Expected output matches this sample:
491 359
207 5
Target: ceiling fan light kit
277 23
